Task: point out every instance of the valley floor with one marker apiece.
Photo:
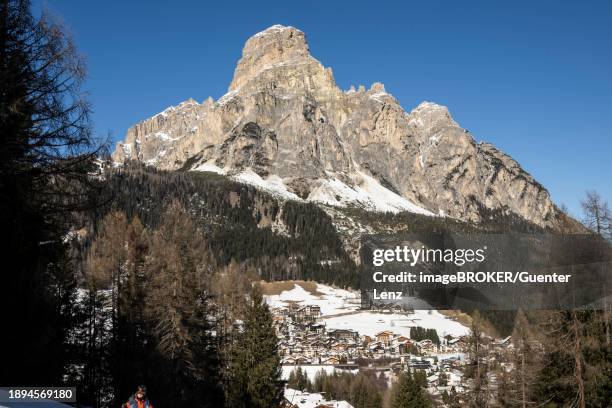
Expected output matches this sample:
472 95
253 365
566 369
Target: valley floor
322 328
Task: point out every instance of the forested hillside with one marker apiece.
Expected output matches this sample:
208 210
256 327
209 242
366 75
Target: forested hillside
273 238
279 240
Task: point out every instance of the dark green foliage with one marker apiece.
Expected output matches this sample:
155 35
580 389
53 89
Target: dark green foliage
420 378
409 392
89 366
503 220
418 333
492 221
298 380
253 379
557 365
364 393
363 390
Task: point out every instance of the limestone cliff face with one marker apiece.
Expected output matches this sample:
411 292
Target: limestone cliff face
286 126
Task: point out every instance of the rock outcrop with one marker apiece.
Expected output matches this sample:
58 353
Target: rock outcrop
285 123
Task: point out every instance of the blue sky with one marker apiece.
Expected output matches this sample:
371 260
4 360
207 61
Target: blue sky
534 77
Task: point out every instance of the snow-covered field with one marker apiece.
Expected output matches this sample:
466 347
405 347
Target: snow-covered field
332 301
340 310
370 323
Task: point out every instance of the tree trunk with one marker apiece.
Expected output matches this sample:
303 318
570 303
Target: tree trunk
523 398
578 362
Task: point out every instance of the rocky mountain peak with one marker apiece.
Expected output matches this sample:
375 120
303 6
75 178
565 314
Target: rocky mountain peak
277 43
279 52
377 87
430 117
286 127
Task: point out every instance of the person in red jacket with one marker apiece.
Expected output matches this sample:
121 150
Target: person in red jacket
139 399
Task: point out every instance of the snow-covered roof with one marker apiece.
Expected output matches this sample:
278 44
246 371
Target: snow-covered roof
311 400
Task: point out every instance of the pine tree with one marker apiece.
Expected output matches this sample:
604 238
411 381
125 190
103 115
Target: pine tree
106 268
477 371
116 262
409 394
254 366
525 362
230 288
179 308
298 380
363 392
133 333
45 146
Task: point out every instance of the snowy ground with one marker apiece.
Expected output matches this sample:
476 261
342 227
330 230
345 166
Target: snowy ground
304 399
340 310
332 301
370 323
365 191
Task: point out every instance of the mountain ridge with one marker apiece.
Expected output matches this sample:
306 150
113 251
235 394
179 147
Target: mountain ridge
284 119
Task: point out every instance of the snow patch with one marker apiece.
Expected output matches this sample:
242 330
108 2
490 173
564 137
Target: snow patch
170 109
127 149
303 399
165 112
272 184
368 192
209 166
379 96
276 28
227 97
165 137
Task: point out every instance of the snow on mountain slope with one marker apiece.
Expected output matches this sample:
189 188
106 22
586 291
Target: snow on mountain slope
366 193
385 199
210 167
272 184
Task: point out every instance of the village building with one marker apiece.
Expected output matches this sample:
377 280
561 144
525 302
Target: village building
300 399
343 334
308 313
384 337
